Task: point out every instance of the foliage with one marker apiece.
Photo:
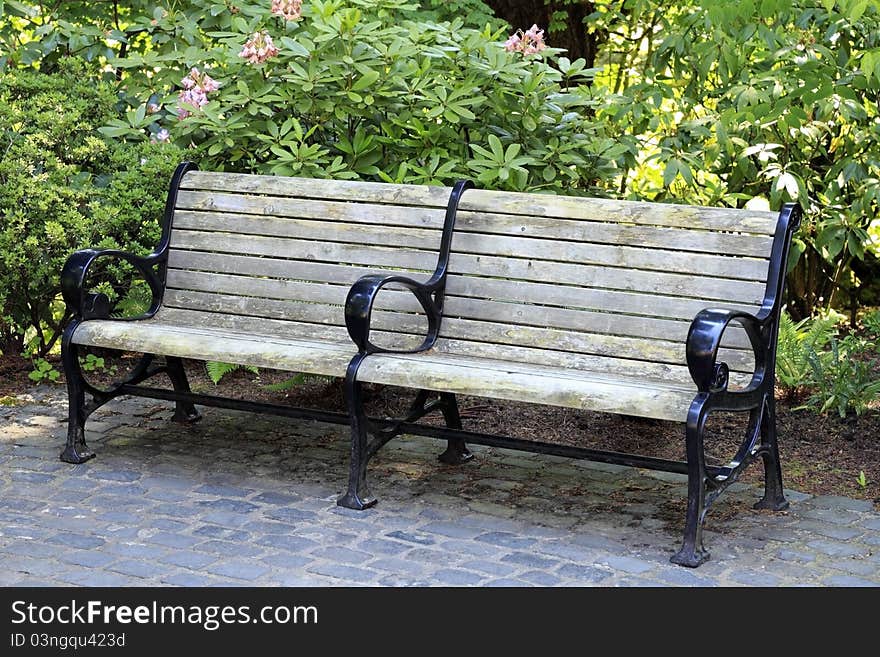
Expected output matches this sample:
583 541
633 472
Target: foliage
844 377
358 89
217 370
62 187
838 372
796 343
766 102
297 380
44 371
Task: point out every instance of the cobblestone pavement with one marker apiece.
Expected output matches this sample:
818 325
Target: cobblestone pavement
244 499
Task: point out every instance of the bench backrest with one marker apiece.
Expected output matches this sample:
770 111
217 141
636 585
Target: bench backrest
575 282
599 284
255 252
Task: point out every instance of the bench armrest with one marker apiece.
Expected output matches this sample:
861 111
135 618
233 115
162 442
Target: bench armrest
87 305
362 295
359 308
74 275
704 340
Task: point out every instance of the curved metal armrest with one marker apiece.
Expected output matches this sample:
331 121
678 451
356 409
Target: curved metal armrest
359 308
86 305
704 340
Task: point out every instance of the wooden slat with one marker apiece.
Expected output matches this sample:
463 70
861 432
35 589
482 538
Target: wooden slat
571 296
378 256
419 238
557 249
677 238
661 283
594 232
496 267
654 214
279 268
526 292
202 344
537 387
460 329
529 204
347 190
478 309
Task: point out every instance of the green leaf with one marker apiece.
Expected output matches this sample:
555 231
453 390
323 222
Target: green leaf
366 80
670 172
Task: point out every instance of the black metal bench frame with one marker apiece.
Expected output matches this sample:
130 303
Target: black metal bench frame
705 482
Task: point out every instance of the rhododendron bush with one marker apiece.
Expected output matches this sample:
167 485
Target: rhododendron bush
374 90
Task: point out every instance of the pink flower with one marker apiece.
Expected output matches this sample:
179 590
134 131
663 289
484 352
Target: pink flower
291 10
152 108
258 48
529 42
196 87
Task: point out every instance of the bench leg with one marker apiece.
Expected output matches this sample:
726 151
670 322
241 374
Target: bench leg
456 449
184 412
692 553
76 450
358 496
774 498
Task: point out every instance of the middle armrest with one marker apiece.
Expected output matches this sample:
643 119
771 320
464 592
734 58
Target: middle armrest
359 308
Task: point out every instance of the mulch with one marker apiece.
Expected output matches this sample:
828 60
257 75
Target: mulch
820 455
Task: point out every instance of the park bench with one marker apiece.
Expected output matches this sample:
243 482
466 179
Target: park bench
601 305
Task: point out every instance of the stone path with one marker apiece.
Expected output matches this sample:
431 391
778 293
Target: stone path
243 499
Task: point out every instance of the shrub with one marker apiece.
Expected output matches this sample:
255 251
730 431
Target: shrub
358 89
63 187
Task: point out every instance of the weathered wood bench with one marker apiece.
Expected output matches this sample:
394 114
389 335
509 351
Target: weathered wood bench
642 309
565 301
251 270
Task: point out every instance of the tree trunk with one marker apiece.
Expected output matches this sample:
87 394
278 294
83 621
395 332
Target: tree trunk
573 36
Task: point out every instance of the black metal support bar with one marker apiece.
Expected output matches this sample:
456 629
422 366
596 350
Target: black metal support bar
427 430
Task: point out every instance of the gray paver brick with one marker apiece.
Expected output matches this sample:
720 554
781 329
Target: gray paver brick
582 574
140 569
835 549
755 578
456 577
629 564
342 554
342 572
848 580
507 539
171 540
191 560
382 546
244 570
410 537
201 511
81 541
529 560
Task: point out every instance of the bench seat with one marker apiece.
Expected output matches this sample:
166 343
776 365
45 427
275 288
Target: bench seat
432 370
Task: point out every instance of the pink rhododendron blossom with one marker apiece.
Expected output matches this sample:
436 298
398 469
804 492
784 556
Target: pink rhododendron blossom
529 42
289 9
258 48
196 87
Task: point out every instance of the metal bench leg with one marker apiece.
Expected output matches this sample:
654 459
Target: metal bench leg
76 450
456 449
692 553
774 498
358 496
184 412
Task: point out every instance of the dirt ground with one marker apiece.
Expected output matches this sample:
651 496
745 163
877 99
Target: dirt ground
820 454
